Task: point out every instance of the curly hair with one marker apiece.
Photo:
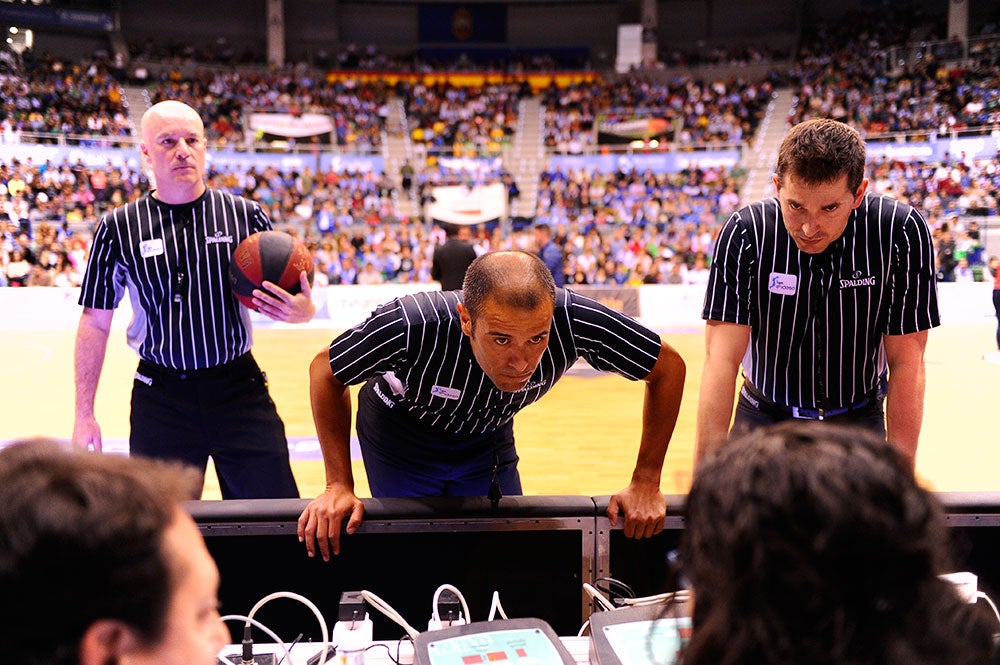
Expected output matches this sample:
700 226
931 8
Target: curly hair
812 543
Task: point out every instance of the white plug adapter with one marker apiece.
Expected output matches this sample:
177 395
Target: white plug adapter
966 583
352 638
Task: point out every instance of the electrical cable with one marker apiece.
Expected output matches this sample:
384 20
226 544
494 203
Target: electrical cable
388 611
461 599
324 631
583 628
681 596
267 631
980 594
290 647
598 596
495 607
614 588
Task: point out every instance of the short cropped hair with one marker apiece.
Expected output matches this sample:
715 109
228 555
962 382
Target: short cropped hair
81 540
807 542
822 150
516 279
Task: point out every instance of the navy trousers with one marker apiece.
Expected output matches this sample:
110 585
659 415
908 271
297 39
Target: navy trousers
404 458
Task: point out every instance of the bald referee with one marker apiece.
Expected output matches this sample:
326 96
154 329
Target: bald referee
445 373
198 391
825 295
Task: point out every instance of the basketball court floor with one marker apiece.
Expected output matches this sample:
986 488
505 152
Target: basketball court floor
579 439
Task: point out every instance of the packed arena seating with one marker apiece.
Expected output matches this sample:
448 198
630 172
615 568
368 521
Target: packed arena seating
617 227
686 112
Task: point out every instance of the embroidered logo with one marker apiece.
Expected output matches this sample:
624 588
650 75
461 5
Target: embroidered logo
148 248
218 238
858 279
782 284
388 402
446 392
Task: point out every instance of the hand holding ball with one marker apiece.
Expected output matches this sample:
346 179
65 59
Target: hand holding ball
271 256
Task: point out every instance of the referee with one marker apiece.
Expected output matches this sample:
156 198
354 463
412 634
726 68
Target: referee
198 391
825 295
445 373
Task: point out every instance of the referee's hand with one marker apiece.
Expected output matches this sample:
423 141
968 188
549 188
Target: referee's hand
87 434
319 524
644 506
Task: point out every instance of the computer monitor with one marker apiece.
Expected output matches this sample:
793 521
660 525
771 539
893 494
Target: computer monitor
640 635
502 642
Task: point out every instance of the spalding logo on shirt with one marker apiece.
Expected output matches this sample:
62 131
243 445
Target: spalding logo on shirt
782 284
857 280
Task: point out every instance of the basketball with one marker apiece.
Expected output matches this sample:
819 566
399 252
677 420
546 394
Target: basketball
271 256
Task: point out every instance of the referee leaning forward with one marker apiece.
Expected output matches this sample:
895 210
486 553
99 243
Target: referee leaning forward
824 294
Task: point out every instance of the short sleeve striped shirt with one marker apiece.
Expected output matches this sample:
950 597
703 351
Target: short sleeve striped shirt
817 321
173 260
425 363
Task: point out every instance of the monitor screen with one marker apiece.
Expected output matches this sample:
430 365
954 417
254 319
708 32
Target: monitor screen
652 634
654 642
504 642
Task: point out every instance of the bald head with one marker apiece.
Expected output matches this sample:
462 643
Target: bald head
169 109
514 279
173 142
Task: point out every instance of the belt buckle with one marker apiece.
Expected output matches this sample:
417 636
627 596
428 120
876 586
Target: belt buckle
808 414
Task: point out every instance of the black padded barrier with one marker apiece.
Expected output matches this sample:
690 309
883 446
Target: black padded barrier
536 551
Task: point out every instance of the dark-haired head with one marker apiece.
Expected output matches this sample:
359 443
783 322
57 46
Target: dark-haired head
813 543
82 540
511 278
821 151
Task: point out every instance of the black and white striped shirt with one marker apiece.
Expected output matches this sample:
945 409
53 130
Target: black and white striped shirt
426 367
174 262
817 321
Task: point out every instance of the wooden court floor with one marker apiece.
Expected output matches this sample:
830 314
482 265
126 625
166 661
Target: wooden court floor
580 439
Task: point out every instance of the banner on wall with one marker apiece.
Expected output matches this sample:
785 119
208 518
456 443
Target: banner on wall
459 23
469 205
287 125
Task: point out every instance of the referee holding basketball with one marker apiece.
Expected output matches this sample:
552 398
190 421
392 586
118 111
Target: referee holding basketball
825 295
198 391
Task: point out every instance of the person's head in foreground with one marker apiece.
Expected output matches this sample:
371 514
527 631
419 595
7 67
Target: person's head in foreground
809 543
99 564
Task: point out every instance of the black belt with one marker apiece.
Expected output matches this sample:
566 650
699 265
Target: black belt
243 366
781 411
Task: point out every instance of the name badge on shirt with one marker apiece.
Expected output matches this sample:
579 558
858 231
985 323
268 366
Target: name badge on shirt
446 392
782 284
148 248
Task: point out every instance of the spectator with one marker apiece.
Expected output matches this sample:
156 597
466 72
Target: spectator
813 543
104 540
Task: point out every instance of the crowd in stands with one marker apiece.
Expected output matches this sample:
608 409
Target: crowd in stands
462 120
849 71
51 97
615 228
685 112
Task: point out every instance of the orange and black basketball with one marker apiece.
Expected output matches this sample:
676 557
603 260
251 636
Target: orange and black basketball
271 256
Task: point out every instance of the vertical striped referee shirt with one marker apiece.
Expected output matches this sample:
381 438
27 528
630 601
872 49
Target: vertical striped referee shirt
817 320
426 368
174 262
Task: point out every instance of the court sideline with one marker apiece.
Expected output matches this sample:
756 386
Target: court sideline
579 439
